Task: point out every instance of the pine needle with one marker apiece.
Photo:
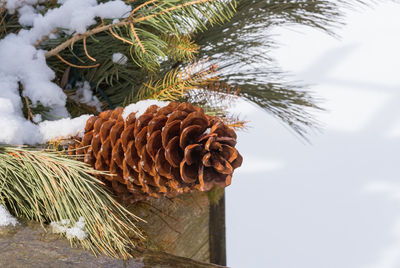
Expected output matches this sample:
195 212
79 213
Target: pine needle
76 66
46 186
177 83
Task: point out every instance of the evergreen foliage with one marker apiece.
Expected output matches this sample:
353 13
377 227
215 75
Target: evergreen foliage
161 37
45 186
241 49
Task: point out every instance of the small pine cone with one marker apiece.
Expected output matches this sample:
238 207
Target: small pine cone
164 152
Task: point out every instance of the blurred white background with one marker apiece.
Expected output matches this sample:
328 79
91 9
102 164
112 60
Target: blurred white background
334 203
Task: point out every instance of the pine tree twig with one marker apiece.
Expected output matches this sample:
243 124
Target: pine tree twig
74 39
85 49
137 38
30 114
44 38
124 22
181 48
140 6
102 23
76 66
188 49
176 83
120 38
77 37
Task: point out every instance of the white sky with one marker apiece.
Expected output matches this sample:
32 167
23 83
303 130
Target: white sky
334 203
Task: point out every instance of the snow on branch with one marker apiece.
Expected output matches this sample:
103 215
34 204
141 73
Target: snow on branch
23 65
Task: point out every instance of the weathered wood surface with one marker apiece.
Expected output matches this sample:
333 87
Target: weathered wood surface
187 231
30 246
178 226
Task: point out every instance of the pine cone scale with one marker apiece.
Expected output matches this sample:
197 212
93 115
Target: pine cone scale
154 143
170 131
141 140
173 152
90 123
193 153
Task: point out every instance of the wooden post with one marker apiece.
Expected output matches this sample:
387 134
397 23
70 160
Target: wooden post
191 225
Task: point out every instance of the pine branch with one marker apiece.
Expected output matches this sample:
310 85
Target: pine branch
76 66
126 22
48 187
177 83
181 48
218 96
241 46
78 37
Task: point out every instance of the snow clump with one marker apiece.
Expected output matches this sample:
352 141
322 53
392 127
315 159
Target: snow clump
119 58
141 106
12 5
63 128
76 231
6 218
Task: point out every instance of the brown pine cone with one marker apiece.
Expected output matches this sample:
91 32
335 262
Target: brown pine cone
164 152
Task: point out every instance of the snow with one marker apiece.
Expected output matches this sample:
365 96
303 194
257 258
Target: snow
27 65
37 118
141 106
85 95
63 128
75 15
6 218
119 58
16 125
76 231
26 15
23 64
12 5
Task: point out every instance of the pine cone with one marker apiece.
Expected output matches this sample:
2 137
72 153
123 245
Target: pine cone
164 152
